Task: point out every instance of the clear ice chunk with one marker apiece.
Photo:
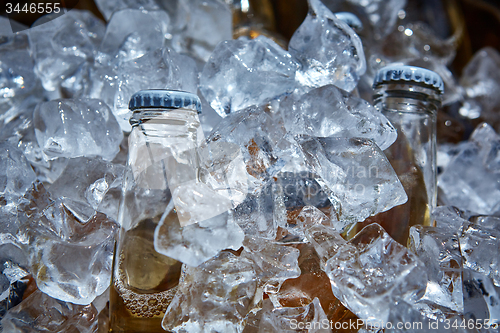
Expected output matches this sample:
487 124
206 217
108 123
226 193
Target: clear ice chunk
310 318
16 178
355 173
71 260
276 262
131 33
107 8
471 180
325 240
242 72
196 243
222 168
261 213
372 271
480 80
439 248
479 245
262 139
84 183
207 23
332 112
17 77
74 128
42 313
328 50
64 48
308 217
213 297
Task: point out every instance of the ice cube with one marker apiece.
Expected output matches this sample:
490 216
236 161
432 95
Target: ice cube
222 168
332 112
372 271
131 33
311 317
439 248
355 173
14 277
17 77
42 313
326 242
481 298
84 183
276 262
64 47
71 260
213 297
107 8
328 50
73 128
471 181
261 213
308 217
480 79
262 139
242 72
196 243
479 245
16 178
206 24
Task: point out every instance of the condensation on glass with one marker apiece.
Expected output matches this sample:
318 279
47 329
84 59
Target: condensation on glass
161 157
410 98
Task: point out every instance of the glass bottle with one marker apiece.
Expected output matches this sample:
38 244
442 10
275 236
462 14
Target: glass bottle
161 157
253 18
410 98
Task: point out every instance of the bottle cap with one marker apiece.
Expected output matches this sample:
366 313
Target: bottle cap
161 98
350 19
409 75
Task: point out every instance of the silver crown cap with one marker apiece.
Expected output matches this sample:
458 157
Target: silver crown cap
409 74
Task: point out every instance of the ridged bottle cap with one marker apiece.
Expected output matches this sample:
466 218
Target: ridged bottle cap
350 19
409 75
161 98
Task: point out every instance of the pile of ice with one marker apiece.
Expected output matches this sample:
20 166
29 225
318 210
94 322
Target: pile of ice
313 166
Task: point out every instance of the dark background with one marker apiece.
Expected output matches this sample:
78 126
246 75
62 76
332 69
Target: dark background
481 18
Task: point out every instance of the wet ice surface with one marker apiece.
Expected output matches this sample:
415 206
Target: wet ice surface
355 174
63 50
332 112
289 160
471 179
372 271
195 243
480 79
41 313
241 73
328 50
73 128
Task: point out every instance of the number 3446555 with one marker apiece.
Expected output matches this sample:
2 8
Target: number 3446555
40 8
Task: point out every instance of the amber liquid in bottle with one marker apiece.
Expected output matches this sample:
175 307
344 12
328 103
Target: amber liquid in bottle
161 156
412 110
145 283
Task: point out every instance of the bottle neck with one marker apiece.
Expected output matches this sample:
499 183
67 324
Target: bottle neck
409 98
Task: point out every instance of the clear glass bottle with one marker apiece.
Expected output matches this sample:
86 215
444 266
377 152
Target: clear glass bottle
161 156
410 98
